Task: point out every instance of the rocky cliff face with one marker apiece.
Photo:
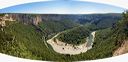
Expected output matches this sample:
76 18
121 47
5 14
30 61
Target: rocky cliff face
27 18
91 18
37 20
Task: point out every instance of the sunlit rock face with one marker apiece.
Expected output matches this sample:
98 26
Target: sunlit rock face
27 18
5 18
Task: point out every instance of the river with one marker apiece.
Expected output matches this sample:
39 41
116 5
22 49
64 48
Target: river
62 48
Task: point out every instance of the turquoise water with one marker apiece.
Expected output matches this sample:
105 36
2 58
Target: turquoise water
90 40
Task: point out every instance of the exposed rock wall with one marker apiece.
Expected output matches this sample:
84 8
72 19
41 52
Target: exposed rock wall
122 49
27 18
37 20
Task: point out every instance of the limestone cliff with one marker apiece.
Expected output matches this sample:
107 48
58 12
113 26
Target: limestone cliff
5 18
27 18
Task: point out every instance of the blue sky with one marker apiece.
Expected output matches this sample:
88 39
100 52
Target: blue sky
62 7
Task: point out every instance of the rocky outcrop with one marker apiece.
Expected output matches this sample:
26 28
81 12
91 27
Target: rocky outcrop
122 49
5 18
37 20
2 23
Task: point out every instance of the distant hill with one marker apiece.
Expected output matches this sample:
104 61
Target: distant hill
100 20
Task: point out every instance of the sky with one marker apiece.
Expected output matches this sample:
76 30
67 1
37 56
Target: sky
62 7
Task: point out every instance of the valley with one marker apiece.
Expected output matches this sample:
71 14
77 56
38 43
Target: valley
56 37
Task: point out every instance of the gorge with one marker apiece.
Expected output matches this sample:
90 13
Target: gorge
56 37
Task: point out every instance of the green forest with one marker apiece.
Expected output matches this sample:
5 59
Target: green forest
75 36
28 41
